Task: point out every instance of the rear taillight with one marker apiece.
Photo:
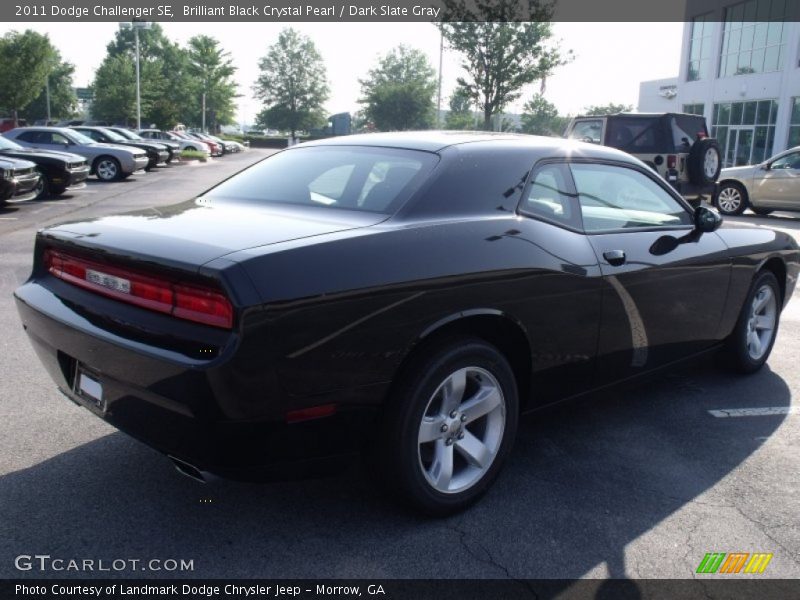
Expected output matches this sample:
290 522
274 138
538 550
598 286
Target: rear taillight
672 161
186 301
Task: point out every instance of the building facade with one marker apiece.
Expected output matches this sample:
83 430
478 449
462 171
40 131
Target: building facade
740 68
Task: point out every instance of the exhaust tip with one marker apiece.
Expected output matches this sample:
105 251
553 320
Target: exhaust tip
188 470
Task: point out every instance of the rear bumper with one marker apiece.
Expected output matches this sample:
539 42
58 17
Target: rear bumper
692 191
186 408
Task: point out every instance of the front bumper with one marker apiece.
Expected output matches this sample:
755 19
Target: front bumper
179 405
138 164
24 186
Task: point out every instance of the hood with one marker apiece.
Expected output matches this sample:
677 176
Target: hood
738 172
190 234
15 163
25 153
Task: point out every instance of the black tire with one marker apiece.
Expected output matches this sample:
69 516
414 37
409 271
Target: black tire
736 354
43 187
107 168
400 451
731 198
704 163
761 211
191 148
57 191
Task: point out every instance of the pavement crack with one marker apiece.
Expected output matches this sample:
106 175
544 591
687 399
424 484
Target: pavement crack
488 558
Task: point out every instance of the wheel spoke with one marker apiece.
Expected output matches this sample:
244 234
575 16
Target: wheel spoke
453 391
485 401
430 430
763 322
441 471
761 299
474 450
754 343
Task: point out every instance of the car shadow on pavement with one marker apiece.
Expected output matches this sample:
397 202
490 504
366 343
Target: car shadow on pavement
584 482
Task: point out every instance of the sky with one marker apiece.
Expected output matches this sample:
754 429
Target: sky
610 59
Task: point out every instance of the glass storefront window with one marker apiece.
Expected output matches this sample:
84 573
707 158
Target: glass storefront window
794 126
694 109
700 48
754 38
746 130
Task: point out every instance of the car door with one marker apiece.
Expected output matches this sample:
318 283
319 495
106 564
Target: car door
778 186
665 282
52 140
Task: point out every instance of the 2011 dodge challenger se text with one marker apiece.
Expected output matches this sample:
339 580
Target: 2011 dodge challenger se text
405 294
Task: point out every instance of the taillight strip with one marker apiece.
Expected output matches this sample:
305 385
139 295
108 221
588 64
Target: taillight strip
185 301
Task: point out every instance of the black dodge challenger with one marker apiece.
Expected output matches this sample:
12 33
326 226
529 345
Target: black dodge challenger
404 294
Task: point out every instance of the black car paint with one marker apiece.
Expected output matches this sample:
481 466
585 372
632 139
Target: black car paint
20 181
60 169
330 304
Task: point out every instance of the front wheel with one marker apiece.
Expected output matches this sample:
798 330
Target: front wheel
731 199
107 168
43 187
750 344
450 426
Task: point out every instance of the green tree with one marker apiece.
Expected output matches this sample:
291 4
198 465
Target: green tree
606 109
213 71
25 61
292 84
540 117
460 115
398 94
63 102
114 90
166 84
505 46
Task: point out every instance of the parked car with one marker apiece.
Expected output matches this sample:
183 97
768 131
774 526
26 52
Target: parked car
7 123
675 145
404 294
213 147
156 153
189 144
228 147
771 185
108 161
174 148
18 180
59 170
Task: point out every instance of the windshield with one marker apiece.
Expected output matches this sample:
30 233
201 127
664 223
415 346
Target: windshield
78 137
366 179
128 134
114 135
7 144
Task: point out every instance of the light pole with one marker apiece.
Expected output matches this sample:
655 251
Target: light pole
136 26
439 94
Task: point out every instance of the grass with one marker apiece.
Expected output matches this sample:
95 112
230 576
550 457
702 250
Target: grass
193 155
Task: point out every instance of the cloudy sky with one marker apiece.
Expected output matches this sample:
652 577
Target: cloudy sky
610 58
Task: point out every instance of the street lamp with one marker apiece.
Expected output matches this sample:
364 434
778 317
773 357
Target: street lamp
136 26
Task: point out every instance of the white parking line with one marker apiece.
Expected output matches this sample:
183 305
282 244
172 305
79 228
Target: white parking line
8 218
767 411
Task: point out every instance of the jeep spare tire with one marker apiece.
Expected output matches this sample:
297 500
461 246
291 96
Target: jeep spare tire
704 162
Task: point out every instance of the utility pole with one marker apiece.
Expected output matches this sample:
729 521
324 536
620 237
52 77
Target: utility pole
136 26
47 94
439 95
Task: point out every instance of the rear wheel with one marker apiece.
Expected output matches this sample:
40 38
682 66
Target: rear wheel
731 199
450 426
750 344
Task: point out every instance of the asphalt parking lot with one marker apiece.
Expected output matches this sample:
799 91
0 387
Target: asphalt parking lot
637 482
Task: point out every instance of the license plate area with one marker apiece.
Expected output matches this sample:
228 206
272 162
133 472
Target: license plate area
87 386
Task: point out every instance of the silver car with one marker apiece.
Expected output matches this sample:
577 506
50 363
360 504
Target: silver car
771 185
108 161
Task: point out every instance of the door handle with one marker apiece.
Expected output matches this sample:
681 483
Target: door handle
615 258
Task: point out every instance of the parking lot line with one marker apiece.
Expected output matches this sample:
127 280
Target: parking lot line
767 411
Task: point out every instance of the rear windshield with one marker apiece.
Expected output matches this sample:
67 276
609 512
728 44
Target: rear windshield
377 180
639 135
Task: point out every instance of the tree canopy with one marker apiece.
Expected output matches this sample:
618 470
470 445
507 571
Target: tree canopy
398 94
26 59
606 109
504 46
540 117
212 70
292 84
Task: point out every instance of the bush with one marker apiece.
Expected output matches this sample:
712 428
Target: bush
193 155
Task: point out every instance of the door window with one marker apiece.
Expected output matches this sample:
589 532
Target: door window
790 161
612 197
588 131
548 196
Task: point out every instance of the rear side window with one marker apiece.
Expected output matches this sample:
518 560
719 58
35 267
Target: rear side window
635 135
614 197
548 196
32 137
685 130
377 180
588 131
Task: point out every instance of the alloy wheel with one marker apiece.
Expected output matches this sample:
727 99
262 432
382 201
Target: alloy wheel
711 163
729 199
461 430
107 170
761 324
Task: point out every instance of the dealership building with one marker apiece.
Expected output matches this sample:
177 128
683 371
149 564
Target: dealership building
740 68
